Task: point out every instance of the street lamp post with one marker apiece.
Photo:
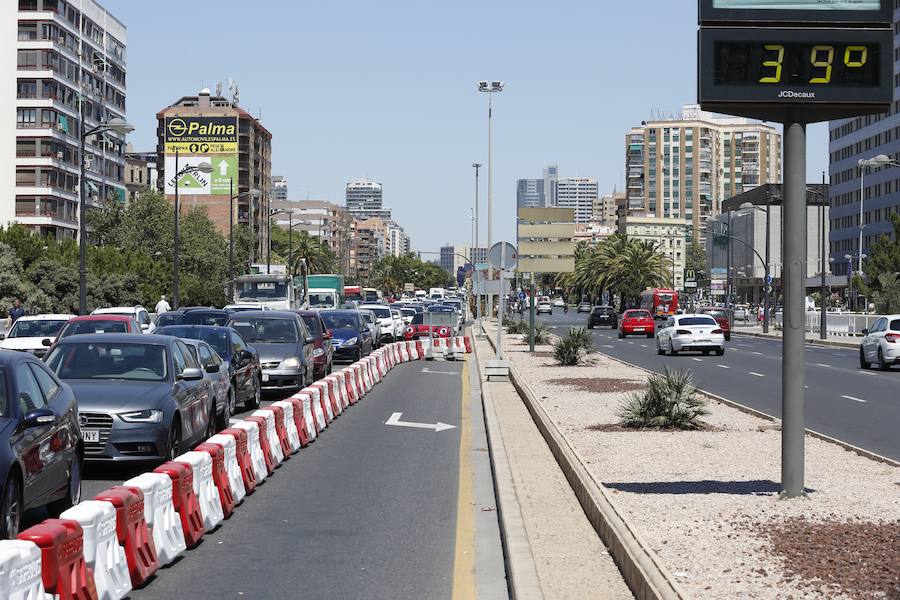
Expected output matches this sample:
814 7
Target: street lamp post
116 125
203 167
272 213
254 194
766 284
490 88
476 278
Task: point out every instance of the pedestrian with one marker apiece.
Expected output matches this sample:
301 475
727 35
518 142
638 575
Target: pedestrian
162 306
16 311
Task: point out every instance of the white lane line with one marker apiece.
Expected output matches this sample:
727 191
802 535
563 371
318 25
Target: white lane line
755 374
697 359
823 365
855 399
632 343
758 353
608 346
867 373
723 366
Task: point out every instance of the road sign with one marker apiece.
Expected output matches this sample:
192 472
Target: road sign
690 279
503 255
768 279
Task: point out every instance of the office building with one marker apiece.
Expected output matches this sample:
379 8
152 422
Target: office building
685 166
63 49
279 188
453 258
551 178
140 172
364 200
213 129
530 193
578 193
668 234
478 255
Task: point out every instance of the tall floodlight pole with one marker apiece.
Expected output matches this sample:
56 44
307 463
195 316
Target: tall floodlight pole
490 88
253 193
823 318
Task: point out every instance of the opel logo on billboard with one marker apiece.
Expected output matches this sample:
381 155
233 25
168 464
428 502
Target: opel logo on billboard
177 127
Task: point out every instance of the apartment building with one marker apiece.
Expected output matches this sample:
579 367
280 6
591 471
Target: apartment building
364 200
140 172
318 218
578 193
667 233
279 188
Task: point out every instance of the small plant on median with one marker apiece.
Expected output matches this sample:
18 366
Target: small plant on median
568 352
516 326
669 401
541 334
583 338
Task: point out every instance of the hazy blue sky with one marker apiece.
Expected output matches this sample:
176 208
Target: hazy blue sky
386 90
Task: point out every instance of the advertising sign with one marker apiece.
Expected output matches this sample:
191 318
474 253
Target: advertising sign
201 135
217 183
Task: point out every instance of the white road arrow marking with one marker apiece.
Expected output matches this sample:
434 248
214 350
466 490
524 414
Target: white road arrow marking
395 420
223 168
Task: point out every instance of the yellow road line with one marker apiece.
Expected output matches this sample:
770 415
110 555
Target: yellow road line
464 558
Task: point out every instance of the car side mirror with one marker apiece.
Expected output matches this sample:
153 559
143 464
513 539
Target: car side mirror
191 374
2 336
38 417
310 339
145 326
212 368
246 355
865 332
328 334
46 342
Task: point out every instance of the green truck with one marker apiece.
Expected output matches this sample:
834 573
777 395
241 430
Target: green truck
326 291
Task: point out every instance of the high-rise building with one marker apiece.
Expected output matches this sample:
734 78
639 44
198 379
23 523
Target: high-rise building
685 166
551 177
64 49
606 209
578 193
363 251
279 188
453 257
530 193
212 129
478 255
364 200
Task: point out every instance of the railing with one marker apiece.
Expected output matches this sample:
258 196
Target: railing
840 324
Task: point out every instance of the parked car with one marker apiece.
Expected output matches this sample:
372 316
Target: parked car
284 345
240 361
374 326
34 334
99 324
584 306
138 313
41 452
386 324
603 315
213 367
637 321
139 397
350 334
323 353
690 332
881 344
721 316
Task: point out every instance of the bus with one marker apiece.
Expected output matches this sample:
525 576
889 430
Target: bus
353 293
661 302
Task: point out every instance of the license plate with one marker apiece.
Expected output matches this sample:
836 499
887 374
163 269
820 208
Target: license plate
265 377
638 328
91 435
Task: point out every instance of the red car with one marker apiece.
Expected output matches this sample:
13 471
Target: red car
637 321
417 328
721 316
100 324
323 348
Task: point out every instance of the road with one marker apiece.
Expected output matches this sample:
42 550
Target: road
366 511
843 401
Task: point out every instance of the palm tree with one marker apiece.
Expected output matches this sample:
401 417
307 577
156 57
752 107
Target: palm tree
319 259
640 265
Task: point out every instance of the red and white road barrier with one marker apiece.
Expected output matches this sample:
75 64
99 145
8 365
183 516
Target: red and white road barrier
132 532
244 459
185 500
404 352
280 430
325 396
229 444
315 399
160 516
303 416
271 434
204 488
63 568
256 454
352 388
372 369
219 475
102 553
20 571
290 425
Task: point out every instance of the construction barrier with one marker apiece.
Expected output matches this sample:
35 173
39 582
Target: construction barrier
364 376
244 456
204 488
336 379
233 469
468 344
327 405
318 411
356 370
265 445
290 424
372 369
380 364
413 350
102 553
395 348
160 516
420 349
404 352
132 532
219 475
336 391
350 382
280 430
271 434
303 419
63 568
20 571
185 500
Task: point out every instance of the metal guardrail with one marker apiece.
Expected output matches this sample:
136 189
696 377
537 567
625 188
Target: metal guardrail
841 324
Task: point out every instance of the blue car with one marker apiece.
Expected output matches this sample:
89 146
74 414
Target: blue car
351 335
41 451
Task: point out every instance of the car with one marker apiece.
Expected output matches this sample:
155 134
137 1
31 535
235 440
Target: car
637 321
138 313
213 367
41 451
194 316
385 319
584 306
239 360
603 315
407 315
140 398
34 334
284 344
720 315
455 322
431 324
559 303
881 344
323 354
374 326
351 335
693 332
399 323
86 324
544 306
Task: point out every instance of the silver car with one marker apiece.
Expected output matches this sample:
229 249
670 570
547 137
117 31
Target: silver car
372 321
212 366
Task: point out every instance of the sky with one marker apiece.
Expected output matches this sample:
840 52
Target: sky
387 90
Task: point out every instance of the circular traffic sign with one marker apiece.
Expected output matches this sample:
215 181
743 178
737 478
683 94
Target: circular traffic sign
768 279
503 255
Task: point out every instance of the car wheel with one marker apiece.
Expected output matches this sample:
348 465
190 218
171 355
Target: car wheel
212 422
863 362
173 441
720 351
222 422
881 363
649 335
727 337
672 350
11 509
590 326
253 403
73 491
659 349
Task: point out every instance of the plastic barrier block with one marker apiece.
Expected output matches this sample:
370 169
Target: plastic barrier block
244 460
219 475
352 388
315 403
373 367
468 344
264 444
379 364
290 424
271 434
336 381
327 407
233 477
411 351
204 487
364 375
20 571
132 531
185 500
255 446
404 352
102 552
420 349
281 435
160 516
309 418
300 421
63 568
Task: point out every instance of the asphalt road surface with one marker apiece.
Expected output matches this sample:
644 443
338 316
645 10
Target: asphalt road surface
368 510
842 401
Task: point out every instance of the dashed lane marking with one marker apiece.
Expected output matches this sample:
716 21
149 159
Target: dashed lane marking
723 366
823 365
697 359
755 374
643 345
855 399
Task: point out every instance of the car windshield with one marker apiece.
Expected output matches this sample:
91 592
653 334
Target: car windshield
41 328
262 290
715 314
697 321
205 318
168 318
408 312
96 360
321 300
217 338
266 330
603 310
312 323
380 312
93 326
440 308
338 321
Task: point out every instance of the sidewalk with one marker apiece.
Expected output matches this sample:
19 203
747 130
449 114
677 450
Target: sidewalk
843 341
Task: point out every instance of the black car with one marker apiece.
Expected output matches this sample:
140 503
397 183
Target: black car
41 452
193 316
140 397
350 334
240 360
284 344
603 316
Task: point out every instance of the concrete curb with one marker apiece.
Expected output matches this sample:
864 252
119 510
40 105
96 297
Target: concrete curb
811 341
641 568
522 576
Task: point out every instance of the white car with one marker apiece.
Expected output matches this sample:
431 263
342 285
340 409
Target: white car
385 319
544 306
699 333
34 334
881 344
399 323
138 313
559 303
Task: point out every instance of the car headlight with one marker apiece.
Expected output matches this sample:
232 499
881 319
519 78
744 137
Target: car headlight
350 342
290 363
318 352
142 416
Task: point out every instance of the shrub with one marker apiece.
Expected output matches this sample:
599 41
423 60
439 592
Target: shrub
567 352
669 401
582 337
541 334
516 327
